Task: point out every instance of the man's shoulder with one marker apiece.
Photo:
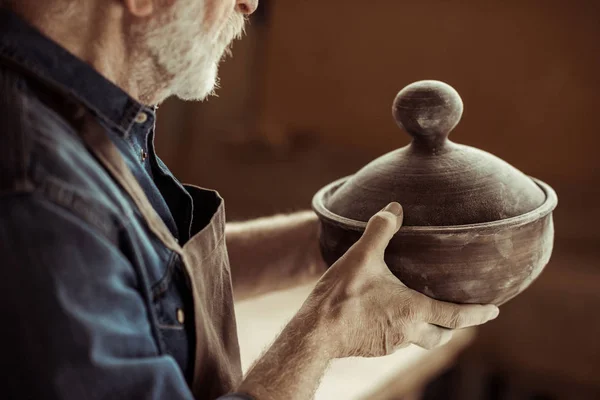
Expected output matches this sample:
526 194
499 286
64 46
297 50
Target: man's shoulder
30 132
42 152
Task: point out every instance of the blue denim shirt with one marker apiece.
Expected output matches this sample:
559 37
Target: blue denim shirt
93 306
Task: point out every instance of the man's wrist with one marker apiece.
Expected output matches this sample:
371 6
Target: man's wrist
294 364
318 331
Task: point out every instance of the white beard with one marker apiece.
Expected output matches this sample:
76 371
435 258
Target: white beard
187 51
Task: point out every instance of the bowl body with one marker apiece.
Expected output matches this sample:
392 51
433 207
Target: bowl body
484 263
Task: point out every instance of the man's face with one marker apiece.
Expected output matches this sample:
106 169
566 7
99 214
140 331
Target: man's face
186 41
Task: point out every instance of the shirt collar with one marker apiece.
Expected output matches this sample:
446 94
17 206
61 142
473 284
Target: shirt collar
24 45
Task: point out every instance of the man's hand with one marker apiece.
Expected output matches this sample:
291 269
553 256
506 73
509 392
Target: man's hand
358 308
371 313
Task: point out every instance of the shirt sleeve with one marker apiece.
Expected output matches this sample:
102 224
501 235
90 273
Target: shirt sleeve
75 318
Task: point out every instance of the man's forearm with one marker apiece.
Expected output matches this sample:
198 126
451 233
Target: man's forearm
293 366
273 253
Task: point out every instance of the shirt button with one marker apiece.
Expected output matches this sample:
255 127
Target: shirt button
141 118
180 316
143 155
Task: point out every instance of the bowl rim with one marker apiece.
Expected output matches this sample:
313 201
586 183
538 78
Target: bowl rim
320 198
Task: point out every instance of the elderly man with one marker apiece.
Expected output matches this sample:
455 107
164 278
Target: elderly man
115 278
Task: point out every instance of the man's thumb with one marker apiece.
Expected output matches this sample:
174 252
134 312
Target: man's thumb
382 227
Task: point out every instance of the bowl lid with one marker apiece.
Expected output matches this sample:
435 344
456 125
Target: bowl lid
437 181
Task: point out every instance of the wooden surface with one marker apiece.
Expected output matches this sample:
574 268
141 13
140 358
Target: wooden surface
260 320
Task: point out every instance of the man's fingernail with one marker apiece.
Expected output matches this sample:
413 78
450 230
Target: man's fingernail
394 208
495 313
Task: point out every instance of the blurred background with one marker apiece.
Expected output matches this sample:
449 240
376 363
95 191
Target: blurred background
306 99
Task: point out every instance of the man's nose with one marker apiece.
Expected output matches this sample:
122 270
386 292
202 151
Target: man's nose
246 7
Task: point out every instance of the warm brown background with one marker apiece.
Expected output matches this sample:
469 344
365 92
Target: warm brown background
307 99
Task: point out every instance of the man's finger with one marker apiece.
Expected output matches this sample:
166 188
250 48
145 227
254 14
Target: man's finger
457 316
429 336
381 228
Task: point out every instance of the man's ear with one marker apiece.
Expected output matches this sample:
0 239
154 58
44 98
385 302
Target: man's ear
140 8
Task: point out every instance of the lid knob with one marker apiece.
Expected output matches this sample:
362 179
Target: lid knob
428 111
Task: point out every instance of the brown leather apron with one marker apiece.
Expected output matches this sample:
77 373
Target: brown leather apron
217 368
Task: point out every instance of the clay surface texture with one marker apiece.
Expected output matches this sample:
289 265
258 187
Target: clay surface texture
476 229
